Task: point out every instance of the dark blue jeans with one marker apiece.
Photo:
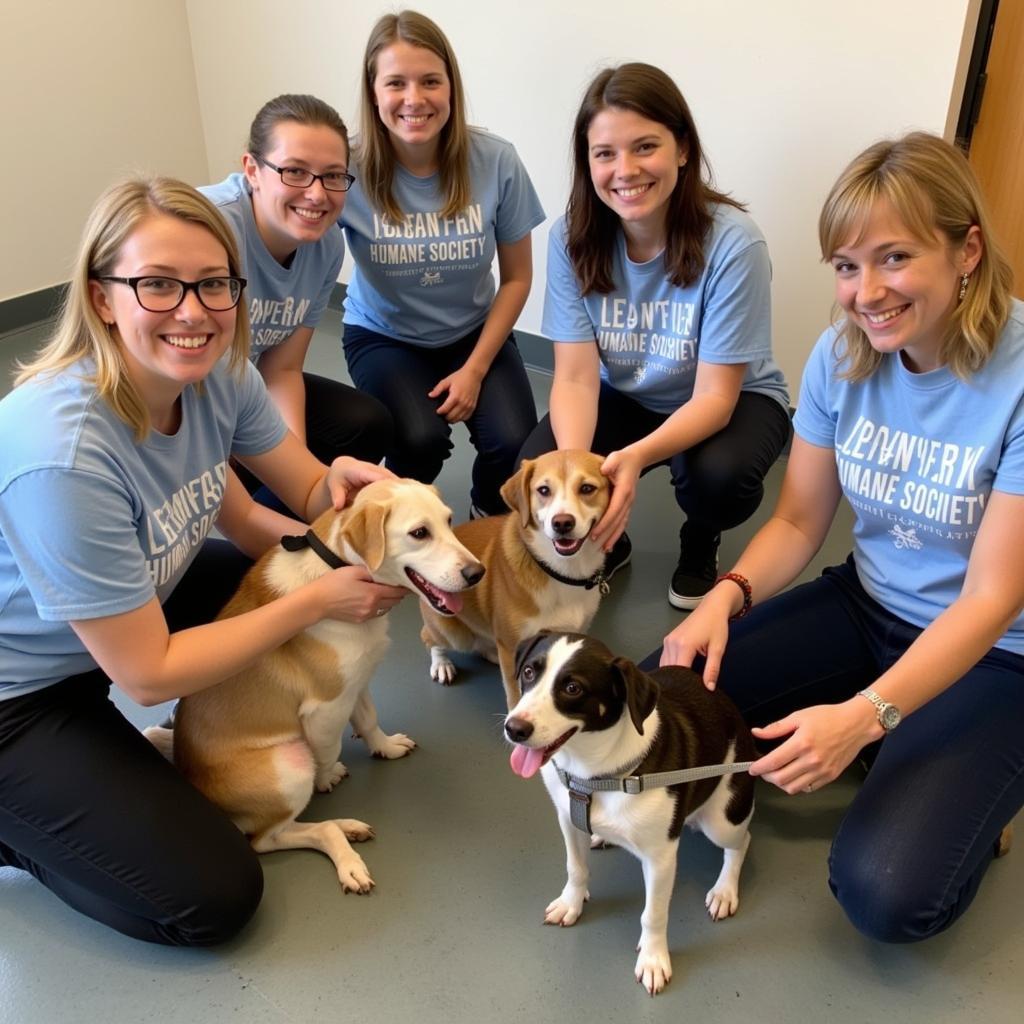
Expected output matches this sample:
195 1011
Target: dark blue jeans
718 483
920 834
400 375
90 808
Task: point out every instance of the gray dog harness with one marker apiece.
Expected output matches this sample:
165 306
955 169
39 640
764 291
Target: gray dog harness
580 790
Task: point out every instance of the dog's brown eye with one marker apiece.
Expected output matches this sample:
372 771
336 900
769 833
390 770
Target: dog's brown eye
420 533
572 688
544 491
528 674
587 489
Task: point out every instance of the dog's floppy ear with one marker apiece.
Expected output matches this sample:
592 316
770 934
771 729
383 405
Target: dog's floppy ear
525 649
641 691
515 492
364 531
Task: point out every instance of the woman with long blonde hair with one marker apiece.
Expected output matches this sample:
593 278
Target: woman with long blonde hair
113 472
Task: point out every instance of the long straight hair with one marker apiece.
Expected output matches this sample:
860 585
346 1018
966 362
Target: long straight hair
932 188
82 333
376 153
592 227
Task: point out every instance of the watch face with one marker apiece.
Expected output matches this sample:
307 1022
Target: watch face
890 717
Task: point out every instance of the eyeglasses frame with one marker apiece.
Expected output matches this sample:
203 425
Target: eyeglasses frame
186 287
350 178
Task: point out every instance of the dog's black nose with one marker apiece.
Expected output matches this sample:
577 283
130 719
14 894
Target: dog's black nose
518 729
473 574
563 524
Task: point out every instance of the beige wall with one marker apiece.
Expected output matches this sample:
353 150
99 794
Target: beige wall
784 94
89 91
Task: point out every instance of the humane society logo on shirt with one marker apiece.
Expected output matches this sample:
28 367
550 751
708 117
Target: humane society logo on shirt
920 483
181 522
427 243
274 320
661 328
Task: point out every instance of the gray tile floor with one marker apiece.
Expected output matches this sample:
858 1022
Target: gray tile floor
467 856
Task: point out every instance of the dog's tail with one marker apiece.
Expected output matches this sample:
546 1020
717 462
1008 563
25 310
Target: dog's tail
161 738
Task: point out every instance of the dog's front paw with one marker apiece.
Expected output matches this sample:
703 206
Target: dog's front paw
722 901
328 778
395 745
566 910
355 831
653 967
442 668
353 874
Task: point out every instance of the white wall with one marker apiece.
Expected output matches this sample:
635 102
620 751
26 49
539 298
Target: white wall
785 92
89 92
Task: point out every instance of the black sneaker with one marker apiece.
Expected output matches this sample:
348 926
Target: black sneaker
697 570
620 555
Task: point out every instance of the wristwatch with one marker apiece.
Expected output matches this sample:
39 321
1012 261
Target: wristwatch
889 715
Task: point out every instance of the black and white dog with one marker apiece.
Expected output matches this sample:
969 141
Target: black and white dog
592 715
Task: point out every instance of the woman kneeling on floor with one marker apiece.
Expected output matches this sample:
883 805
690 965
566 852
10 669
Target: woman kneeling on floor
912 407
113 470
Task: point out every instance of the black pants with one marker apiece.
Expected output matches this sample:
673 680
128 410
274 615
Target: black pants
718 483
401 375
90 808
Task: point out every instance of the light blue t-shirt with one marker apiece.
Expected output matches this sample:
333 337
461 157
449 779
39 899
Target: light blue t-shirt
918 455
93 523
427 281
280 299
650 333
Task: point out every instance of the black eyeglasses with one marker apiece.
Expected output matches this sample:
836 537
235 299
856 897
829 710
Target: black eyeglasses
333 181
162 294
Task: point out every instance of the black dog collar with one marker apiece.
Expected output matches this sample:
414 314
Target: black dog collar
599 579
310 540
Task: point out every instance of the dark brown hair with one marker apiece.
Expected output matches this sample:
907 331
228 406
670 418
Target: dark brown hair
591 227
297 107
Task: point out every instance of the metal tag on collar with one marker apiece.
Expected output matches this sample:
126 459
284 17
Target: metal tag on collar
604 588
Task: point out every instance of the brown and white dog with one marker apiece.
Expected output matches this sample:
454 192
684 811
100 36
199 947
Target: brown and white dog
543 571
260 742
597 716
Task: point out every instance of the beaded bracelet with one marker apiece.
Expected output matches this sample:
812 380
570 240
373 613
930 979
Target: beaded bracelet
748 595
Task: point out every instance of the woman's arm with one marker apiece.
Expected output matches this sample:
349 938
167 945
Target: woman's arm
136 650
823 740
715 394
778 553
251 527
574 394
281 369
515 275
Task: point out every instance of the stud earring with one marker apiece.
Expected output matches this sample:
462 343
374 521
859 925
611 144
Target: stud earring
963 286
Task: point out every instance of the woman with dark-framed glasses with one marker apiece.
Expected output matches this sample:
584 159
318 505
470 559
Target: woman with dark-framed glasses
434 204
113 471
283 209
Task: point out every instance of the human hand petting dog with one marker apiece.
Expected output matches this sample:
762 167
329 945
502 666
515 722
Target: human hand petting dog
622 468
704 631
351 595
463 387
347 476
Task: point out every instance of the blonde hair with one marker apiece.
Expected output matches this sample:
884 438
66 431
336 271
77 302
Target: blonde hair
931 187
80 330
376 154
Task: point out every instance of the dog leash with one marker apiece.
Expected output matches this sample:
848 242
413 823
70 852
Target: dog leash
580 790
310 540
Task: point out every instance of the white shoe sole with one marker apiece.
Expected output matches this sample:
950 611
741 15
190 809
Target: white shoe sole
686 604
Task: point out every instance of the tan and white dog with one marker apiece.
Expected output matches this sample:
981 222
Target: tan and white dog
543 571
260 742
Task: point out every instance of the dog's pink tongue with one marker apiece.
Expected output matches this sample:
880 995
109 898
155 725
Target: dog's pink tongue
452 603
526 761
